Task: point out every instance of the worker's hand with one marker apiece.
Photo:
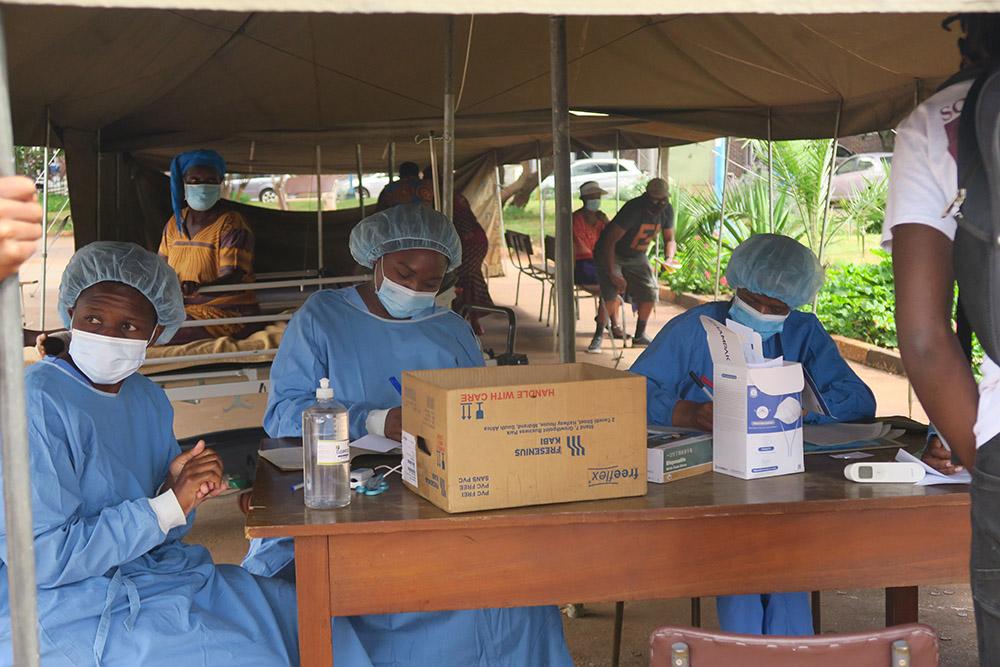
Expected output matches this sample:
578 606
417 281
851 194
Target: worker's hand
690 414
937 456
40 344
394 424
20 223
194 476
618 280
189 287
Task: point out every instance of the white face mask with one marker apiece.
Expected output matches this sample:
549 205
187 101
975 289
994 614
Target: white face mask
202 196
402 302
105 359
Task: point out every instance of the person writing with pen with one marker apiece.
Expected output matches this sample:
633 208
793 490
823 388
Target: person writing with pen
363 339
772 276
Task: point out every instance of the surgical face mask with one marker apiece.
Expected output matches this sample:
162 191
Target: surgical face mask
402 302
105 359
592 204
747 315
202 196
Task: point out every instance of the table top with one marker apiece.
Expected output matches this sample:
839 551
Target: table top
277 511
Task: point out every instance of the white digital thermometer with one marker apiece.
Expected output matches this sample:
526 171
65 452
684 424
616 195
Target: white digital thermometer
896 472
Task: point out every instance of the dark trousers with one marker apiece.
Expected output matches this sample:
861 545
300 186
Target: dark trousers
985 562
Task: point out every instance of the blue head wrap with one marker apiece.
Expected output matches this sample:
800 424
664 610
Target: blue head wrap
180 164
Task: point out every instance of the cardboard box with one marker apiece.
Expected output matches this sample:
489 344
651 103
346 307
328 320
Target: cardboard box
508 436
670 457
757 415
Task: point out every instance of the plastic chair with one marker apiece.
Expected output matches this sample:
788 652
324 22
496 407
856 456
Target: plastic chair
912 645
520 251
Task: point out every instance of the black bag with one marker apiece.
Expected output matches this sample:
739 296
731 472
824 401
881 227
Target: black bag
976 251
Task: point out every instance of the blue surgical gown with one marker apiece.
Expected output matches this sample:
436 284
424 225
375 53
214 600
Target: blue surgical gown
96 459
334 335
681 347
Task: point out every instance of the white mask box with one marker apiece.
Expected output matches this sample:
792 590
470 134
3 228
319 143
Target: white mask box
757 411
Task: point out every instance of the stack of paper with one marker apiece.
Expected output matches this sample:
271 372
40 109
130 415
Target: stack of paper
933 476
826 435
290 458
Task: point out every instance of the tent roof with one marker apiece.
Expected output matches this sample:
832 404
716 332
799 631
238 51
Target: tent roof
157 80
543 7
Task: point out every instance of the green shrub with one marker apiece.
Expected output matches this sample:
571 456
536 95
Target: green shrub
858 301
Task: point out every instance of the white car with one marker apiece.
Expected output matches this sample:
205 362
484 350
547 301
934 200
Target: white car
854 174
601 170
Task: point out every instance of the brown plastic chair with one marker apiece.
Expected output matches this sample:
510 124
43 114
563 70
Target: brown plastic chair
913 645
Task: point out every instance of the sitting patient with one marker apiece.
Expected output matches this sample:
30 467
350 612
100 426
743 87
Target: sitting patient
772 275
112 495
207 243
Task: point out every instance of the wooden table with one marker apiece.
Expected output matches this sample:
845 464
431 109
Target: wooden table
706 535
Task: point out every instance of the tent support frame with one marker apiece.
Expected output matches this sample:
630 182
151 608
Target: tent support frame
564 221
20 555
448 168
320 262
45 220
722 217
361 185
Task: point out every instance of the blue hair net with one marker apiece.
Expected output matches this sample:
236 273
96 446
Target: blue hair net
111 261
180 164
776 266
405 227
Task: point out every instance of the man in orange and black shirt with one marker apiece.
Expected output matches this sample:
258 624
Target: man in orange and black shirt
622 264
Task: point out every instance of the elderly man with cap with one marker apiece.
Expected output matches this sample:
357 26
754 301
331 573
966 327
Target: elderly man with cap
772 275
622 265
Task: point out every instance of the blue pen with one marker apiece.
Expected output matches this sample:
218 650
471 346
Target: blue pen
395 385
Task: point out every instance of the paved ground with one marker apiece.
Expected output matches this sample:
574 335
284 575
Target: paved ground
219 526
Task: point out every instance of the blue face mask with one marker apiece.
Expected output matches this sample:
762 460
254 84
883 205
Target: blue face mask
202 196
747 315
402 302
592 204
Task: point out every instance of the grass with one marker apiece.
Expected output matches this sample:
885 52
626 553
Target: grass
308 204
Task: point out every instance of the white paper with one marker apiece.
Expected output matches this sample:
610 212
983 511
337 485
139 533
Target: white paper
753 345
375 443
285 459
851 455
826 435
409 470
933 476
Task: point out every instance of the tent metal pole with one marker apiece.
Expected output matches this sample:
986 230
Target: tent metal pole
361 185
45 219
118 195
541 201
722 217
618 166
448 168
319 209
770 174
391 167
829 185
98 200
20 556
560 159
434 174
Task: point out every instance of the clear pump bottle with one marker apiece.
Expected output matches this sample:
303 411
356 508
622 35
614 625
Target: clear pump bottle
326 451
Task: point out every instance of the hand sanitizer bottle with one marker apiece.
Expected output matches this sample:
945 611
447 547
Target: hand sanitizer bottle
326 451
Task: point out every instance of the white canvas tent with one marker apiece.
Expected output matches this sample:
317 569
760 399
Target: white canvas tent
145 74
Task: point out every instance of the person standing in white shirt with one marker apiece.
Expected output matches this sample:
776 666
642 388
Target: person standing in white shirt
920 229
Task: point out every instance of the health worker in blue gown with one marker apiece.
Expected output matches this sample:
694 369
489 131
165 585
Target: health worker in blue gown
362 339
772 276
112 495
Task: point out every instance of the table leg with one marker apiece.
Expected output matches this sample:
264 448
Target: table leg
312 566
901 605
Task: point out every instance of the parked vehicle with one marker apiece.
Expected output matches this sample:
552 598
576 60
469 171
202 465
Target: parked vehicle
257 188
372 184
601 170
857 171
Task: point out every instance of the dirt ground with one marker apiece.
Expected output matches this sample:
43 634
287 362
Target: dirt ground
220 528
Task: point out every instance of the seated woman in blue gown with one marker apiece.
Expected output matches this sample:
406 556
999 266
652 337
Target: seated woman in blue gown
112 495
360 338
772 275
